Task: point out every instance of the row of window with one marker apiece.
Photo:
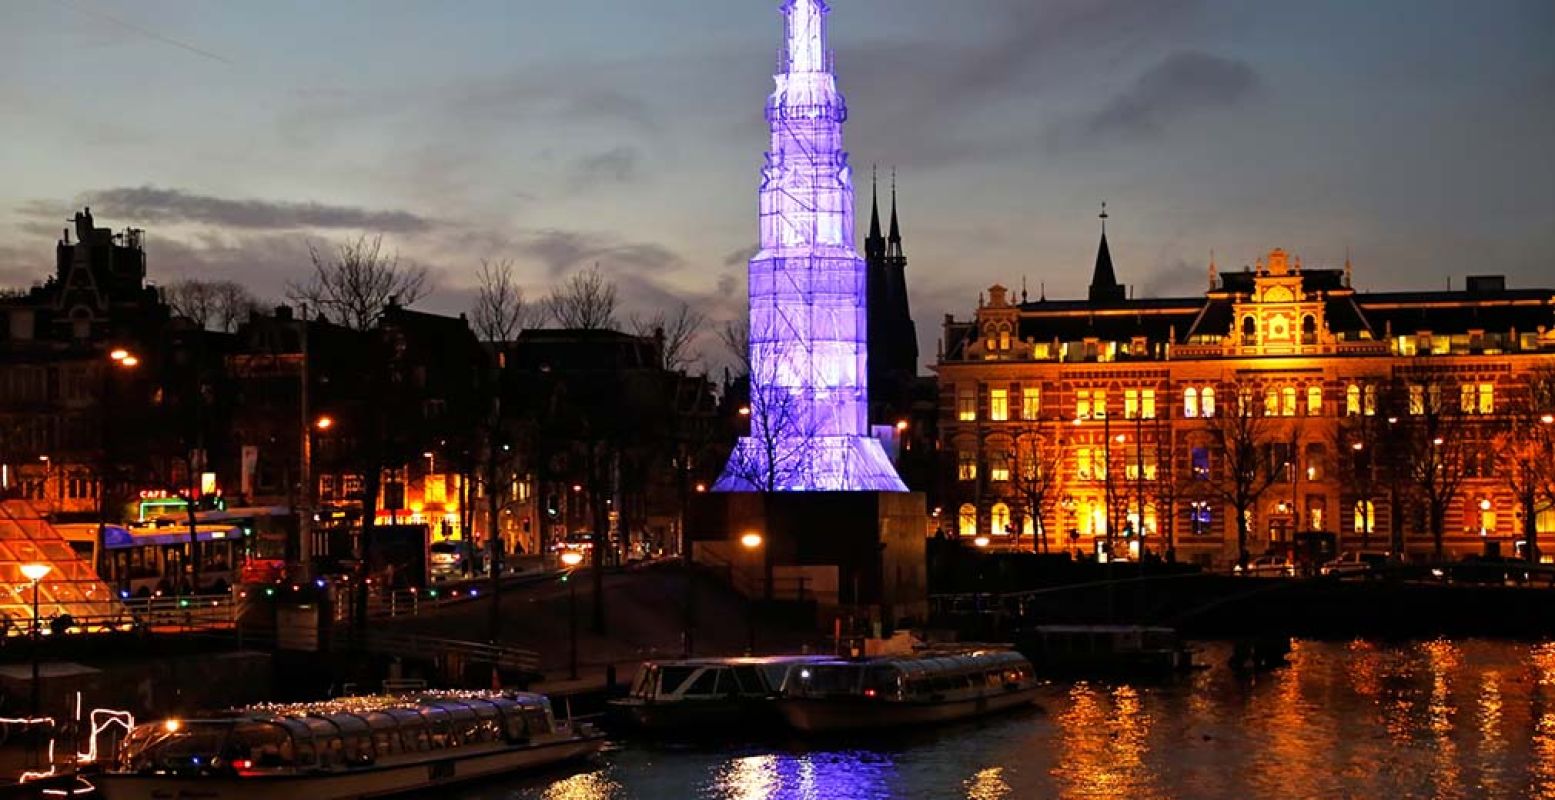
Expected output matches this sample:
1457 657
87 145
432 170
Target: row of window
1199 402
1088 516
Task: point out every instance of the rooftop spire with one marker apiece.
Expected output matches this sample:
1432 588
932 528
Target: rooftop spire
895 237
1213 272
1104 280
874 210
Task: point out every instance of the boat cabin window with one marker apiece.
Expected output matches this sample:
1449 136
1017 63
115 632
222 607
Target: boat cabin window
705 684
536 720
188 747
672 678
749 680
647 682
829 679
260 744
884 681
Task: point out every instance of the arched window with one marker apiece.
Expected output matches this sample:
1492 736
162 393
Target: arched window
999 519
1271 402
1308 330
1288 401
1352 400
1190 402
966 522
1207 402
1004 337
1249 331
1314 401
1365 517
1028 525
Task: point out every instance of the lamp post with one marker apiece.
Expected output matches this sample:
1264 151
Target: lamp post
36 572
752 542
125 360
572 559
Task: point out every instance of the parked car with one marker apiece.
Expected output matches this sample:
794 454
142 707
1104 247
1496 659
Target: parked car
1353 563
1269 565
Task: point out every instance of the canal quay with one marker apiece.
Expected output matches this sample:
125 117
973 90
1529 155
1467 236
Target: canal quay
1466 718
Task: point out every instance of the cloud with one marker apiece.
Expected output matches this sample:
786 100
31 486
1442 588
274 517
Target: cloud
563 250
741 256
617 165
150 204
1181 84
1176 279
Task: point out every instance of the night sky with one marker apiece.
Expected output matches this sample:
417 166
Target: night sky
1418 134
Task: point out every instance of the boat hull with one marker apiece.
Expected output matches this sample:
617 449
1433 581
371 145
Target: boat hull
365 782
821 715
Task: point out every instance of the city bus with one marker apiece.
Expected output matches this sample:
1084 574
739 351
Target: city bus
149 560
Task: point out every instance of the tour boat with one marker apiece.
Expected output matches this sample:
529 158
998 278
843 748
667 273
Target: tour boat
347 748
706 695
841 695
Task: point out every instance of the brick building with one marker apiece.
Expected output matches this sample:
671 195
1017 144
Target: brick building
1332 419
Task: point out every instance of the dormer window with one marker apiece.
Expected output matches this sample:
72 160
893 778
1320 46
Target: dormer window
1249 331
1309 329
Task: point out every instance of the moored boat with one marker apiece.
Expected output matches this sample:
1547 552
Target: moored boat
347 748
706 695
841 695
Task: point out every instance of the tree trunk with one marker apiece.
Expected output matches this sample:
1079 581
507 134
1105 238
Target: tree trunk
494 549
1530 529
597 494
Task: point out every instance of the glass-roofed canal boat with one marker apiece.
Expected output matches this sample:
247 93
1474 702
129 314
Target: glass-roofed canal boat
889 692
346 748
707 696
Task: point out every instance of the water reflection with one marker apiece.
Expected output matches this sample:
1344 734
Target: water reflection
1345 719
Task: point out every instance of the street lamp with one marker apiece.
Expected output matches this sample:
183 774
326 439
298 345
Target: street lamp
751 542
36 572
571 559
324 422
981 541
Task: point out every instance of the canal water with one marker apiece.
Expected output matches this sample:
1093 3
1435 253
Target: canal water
1439 719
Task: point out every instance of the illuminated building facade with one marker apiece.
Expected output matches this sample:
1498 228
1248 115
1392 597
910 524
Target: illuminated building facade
808 294
1332 419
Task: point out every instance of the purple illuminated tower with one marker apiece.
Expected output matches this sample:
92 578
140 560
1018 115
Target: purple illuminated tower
808 328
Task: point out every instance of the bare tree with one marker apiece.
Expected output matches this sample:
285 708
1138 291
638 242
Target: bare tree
501 310
679 331
1437 447
735 336
351 285
778 452
1036 476
1242 439
1525 442
586 301
215 305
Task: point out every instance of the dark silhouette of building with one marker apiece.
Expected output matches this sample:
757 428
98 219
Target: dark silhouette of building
893 338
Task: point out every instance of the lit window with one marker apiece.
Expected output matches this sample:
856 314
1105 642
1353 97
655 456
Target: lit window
966 465
1147 404
999 467
1487 398
966 405
1288 401
1371 401
1200 456
1207 402
1271 402
1314 401
1190 402
1487 516
1082 404
966 520
1084 469
999 519
999 404
1352 400
1004 338
1131 404
1030 402
1099 403
1467 398
1200 517
1365 517
1416 399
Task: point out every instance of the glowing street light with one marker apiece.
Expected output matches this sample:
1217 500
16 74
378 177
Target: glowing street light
119 354
745 411
128 361
751 541
324 422
981 541
1548 419
36 572
901 425
572 559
